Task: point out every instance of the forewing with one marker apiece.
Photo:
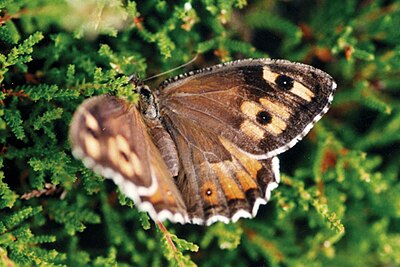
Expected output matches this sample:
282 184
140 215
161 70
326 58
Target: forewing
263 106
109 136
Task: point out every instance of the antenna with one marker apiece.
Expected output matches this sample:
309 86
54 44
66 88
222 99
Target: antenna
171 70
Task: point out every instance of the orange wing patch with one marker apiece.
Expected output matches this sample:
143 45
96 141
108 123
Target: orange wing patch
251 165
229 186
245 180
244 167
163 196
210 193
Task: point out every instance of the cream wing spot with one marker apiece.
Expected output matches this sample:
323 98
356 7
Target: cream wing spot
250 109
122 144
121 155
113 153
137 166
92 146
275 125
293 87
126 168
302 91
277 108
88 135
91 122
250 129
268 75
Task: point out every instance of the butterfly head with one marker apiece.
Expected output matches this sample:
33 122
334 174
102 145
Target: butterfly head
148 102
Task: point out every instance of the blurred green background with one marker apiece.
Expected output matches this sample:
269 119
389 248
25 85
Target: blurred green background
338 203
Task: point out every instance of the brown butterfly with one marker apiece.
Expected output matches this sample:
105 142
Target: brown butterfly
203 147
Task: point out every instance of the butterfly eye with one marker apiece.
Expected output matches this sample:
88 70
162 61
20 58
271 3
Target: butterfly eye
264 117
284 82
208 192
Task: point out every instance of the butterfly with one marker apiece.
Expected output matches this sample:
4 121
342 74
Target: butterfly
203 147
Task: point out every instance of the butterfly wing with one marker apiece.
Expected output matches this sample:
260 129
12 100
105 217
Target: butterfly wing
263 106
218 181
230 121
109 136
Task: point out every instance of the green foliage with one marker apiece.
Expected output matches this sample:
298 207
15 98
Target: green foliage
14 122
19 55
173 247
228 236
339 199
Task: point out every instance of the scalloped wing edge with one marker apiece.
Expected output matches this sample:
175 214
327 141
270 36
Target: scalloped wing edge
130 190
300 136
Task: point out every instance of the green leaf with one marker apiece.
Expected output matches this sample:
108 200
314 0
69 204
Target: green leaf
14 122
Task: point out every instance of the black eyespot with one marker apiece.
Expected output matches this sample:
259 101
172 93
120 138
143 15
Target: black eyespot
284 82
264 117
208 192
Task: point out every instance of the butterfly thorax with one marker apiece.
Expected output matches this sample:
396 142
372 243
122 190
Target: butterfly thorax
148 106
